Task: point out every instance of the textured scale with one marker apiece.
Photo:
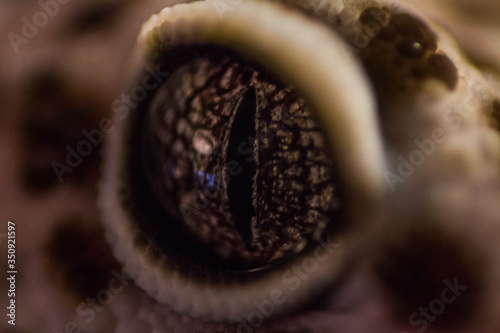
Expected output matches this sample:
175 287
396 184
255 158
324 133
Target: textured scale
233 147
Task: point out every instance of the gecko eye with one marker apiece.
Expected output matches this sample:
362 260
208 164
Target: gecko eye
238 167
240 159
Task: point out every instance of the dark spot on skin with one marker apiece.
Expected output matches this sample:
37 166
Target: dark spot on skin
430 43
95 17
414 265
37 173
409 26
51 121
397 57
79 257
410 49
388 34
440 67
412 28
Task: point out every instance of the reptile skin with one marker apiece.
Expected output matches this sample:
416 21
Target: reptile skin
64 81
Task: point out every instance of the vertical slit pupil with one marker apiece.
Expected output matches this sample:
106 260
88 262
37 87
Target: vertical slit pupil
240 187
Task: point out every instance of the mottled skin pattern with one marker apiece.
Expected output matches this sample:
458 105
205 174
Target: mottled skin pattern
88 51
